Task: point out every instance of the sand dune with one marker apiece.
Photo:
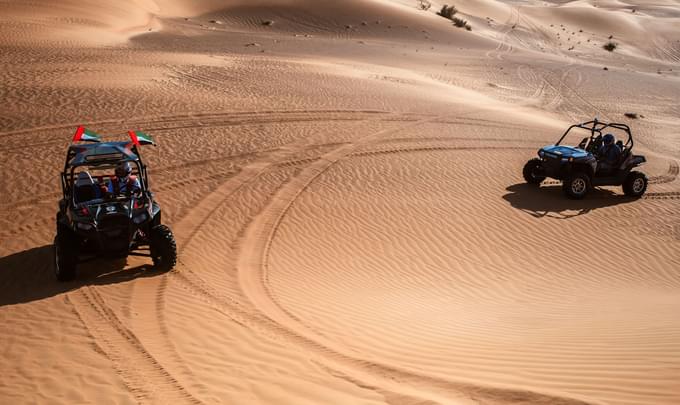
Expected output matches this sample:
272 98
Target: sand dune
344 182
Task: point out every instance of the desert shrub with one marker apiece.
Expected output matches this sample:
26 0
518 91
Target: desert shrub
610 46
448 11
424 4
460 23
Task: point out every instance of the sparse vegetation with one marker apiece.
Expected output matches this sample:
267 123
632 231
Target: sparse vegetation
631 115
460 23
610 46
424 4
448 11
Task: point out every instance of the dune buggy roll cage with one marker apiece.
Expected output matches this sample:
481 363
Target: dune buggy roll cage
80 155
596 127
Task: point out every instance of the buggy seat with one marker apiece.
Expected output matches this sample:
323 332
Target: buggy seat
626 155
85 189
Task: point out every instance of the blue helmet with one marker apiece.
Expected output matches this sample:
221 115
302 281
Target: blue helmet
123 169
608 139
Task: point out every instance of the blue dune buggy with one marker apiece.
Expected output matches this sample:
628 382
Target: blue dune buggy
580 167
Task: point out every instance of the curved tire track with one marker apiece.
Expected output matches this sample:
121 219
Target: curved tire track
188 121
252 273
669 176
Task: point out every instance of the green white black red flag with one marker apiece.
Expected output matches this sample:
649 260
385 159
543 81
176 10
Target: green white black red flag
140 138
84 134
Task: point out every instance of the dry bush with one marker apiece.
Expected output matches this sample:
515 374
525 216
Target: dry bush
424 4
460 23
610 46
448 11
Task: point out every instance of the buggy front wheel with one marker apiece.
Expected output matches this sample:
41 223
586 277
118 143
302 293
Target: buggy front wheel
163 248
533 171
576 186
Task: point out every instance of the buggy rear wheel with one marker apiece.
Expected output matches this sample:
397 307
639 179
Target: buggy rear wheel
163 248
533 171
635 184
576 186
65 255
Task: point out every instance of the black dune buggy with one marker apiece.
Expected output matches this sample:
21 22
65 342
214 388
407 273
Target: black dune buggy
93 222
579 167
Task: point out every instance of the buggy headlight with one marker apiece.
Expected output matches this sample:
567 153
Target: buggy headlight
138 219
84 226
541 153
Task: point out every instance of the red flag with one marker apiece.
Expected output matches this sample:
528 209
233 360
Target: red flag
79 133
133 136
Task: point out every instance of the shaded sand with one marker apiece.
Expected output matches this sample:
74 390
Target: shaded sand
345 187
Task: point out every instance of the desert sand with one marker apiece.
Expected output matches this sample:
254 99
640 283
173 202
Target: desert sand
343 179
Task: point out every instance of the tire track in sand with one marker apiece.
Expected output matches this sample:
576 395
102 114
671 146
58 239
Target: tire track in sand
185 230
669 176
252 273
144 376
435 149
504 48
249 116
16 140
670 195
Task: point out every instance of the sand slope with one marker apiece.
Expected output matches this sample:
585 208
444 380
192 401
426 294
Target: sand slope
345 188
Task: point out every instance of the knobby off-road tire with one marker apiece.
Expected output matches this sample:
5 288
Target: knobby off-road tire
635 184
531 168
163 248
65 255
576 186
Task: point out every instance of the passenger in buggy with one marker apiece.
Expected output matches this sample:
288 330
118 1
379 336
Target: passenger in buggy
608 155
124 182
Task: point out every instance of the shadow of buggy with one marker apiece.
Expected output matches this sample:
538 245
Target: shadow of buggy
29 275
549 202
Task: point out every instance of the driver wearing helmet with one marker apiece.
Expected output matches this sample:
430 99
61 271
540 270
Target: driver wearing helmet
124 182
608 154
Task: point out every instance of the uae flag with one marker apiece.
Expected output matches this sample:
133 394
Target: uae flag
140 138
84 134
